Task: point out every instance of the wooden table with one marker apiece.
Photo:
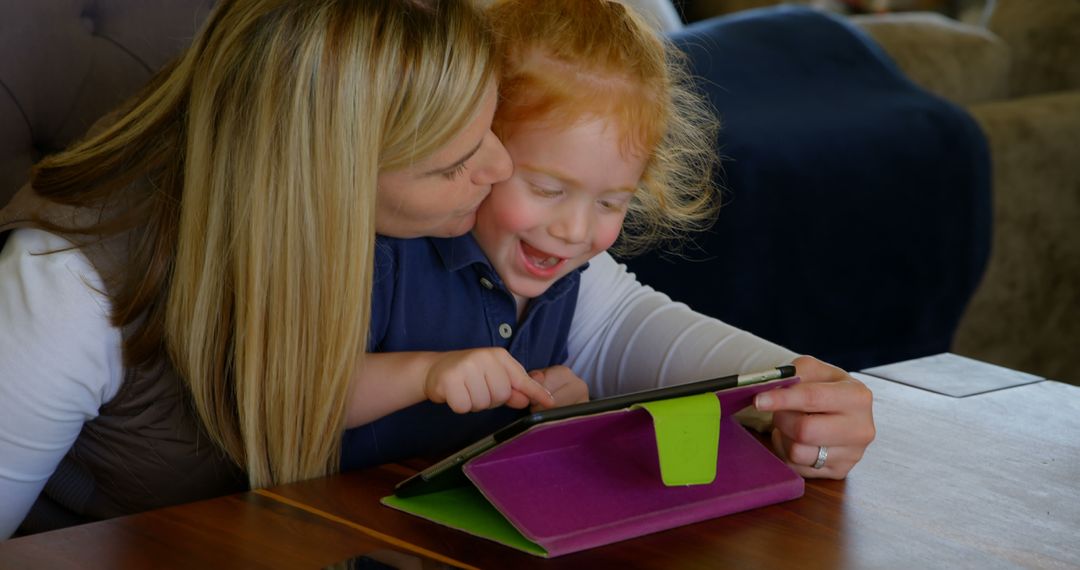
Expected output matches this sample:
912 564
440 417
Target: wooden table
985 481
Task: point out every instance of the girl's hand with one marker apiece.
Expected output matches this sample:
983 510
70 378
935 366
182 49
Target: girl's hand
480 379
564 385
827 408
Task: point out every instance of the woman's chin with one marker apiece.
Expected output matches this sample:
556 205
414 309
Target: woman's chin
458 226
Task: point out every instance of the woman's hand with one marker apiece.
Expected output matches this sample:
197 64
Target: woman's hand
828 408
482 378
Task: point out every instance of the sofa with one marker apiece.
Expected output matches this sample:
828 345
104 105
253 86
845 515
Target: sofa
857 277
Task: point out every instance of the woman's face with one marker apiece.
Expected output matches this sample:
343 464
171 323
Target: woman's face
439 195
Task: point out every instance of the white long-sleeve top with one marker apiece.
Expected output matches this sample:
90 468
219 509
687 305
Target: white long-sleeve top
60 358
59 362
626 337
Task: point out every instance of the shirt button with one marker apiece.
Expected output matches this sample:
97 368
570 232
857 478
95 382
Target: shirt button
487 283
505 331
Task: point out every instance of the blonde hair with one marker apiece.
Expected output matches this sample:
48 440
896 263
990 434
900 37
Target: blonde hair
565 61
261 146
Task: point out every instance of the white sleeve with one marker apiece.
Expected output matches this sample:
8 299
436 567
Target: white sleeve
627 337
59 362
661 13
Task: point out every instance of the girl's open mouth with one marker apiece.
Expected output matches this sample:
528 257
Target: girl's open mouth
539 262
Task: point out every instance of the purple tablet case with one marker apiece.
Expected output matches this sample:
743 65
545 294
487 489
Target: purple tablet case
583 482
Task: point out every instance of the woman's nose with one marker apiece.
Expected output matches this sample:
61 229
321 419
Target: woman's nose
493 163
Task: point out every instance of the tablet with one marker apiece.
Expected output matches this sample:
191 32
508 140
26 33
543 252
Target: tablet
447 473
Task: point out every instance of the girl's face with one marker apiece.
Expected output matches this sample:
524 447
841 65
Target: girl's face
439 195
564 203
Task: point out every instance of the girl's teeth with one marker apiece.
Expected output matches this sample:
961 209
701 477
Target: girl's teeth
546 262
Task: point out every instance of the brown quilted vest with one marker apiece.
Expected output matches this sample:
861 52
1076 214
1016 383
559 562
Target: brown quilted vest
146 448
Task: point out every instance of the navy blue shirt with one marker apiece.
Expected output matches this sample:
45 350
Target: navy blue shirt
441 294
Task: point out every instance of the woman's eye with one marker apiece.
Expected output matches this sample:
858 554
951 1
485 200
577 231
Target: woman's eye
453 173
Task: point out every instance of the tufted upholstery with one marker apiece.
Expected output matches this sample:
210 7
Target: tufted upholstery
64 63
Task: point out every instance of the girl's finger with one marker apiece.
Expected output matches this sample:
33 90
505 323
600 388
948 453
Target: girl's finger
535 391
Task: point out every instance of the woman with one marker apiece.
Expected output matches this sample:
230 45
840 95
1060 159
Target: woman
215 302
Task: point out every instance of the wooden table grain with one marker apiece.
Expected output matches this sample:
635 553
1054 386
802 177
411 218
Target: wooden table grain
985 481
246 530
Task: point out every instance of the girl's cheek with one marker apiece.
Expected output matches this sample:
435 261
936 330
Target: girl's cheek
519 210
607 234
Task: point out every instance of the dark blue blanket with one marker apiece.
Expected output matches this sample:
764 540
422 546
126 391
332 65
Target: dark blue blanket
856 222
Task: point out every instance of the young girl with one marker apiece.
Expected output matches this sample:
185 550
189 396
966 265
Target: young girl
601 130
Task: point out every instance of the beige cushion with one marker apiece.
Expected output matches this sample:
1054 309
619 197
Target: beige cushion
1044 36
963 63
1024 314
